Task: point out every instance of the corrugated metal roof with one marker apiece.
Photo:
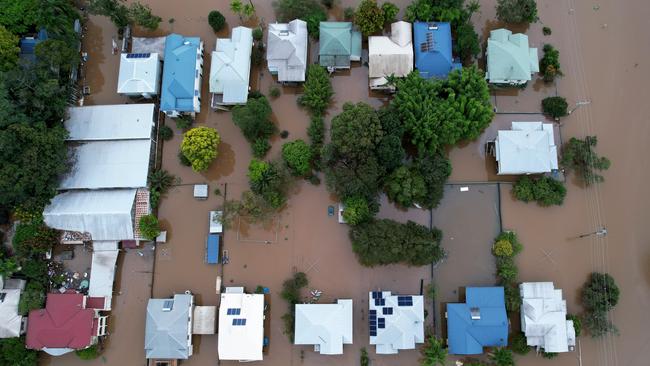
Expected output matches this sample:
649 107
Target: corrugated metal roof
526 149
110 122
167 332
231 66
237 341
287 50
432 42
180 73
391 55
509 59
139 75
327 325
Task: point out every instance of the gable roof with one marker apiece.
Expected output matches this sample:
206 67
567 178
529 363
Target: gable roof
110 122
231 66
287 50
509 59
64 323
391 55
433 56
396 322
180 73
139 73
528 148
241 340
467 336
168 333
339 44
328 326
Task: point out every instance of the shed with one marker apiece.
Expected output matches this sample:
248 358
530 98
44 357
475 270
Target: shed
139 74
528 148
326 326
339 45
215 224
390 55
509 58
182 74
28 45
212 249
286 52
433 46
231 68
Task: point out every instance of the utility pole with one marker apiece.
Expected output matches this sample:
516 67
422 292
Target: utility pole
602 232
578 104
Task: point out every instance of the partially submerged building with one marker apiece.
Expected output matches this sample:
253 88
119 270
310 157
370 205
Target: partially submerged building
510 61
28 45
544 318
12 324
139 75
241 325
527 148
339 45
231 68
286 52
480 321
390 56
396 322
433 49
168 329
325 326
69 322
182 75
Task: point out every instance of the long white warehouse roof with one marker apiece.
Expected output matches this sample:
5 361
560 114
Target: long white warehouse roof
110 122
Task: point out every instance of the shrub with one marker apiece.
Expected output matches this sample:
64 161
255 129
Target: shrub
507 271
511 237
579 156
35 270
183 159
159 183
348 13
518 344
316 133
289 319
363 359
274 92
216 20
89 353
405 186
33 298
317 90
517 11
390 11
502 357
260 148
284 134
357 211
467 43
369 17
433 352
34 239
545 190
547 31
577 323
8 266
555 107
149 226
512 297
600 292
502 248
549 65
166 133
431 291
291 293
258 34
183 122
200 147
257 55
297 155
549 355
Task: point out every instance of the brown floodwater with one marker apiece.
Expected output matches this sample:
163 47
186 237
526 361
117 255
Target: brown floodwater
601 62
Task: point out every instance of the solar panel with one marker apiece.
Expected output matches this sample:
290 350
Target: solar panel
373 333
404 301
238 322
387 311
233 311
373 317
373 312
381 326
138 55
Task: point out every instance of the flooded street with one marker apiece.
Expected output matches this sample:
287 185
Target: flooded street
305 238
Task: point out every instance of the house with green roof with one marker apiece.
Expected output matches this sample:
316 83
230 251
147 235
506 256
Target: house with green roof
339 45
510 61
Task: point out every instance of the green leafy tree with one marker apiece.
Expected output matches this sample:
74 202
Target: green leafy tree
19 17
14 353
89 353
369 17
507 270
254 119
512 298
216 20
549 65
252 206
510 237
435 169
357 211
149 226
8 266
142 16
269 181
9 49
242 10
57 55
311 11
421 10
32 298
115 10
160 181
200 147
578 155
347 178
318 90
390 152
467 43
35 269
517 11
356 131
405 186
519 344
258 34
503 248
363 359
600 292
599 324
390 11
555 107
502 357
297 155
433 352
34 238
545 190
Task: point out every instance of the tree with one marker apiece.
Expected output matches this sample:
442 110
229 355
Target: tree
122 15
421 10
57 55
549 65
390 11
405 186
381 242
357 211
579 155
600 292
200 147
555 107
269 181
149 226
518 344
363 359
517 11
467 44
216 20
242 10
32 298
435 169
160 181
297 155
545 190
599 324
502 357
252 206
34 239
356 131
19 16
9 49
142 16
352 178
318 90
390 152
35 270
311 11
14 353
502 248
369 17
8 266
433 352
254 119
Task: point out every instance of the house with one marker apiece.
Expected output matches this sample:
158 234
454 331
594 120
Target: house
231 68
326 326
12 324
69 322
480 321
28 45
528 148
509 59
432 43
182 74
390 56
286 52
543 318
139 75
168 328
396 321
339 45
241 325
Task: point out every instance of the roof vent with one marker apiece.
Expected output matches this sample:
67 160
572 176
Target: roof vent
168 305
284 32
433 26
476 313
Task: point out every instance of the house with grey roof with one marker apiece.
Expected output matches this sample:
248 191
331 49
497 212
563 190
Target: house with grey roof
168 330
12 324
509 59
396 322
231 68
286 53
339 45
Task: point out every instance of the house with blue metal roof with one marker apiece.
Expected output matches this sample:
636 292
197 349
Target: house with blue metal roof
480 321
339 45
182 74
28 45
432 42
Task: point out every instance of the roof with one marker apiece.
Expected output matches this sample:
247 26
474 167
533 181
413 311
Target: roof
467 335
396 321
28 45
338 44
102 272
433 57
543 317
105 214
231 66
10 320
64 323
139 73
528 148
391 55
287 50
205 319
241 326
149 45
168 332
509 59
327 326
110 122
180 74
212 249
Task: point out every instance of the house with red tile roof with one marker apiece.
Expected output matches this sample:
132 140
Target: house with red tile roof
69 322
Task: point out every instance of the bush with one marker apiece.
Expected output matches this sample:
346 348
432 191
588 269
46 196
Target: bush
380 242
467 43
257 55
357 211
502 248
149 226
512 298
258 34
433 352
260 148
297 155
89 353
14 353
555 107
511 237
390 11
547 31
577 323
33 298
289 320
291 293
363 359
318 90
166 133
579 156
200 147
183 159
183 122
274 92
348 14
369 17
216 20
517 11
518 344
316 133
502 357
35 270
405 186
600 292
34 239
549 65
545 190
549 355
507 271
159 183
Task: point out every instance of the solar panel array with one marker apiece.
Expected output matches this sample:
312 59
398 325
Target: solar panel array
372 322
380 302
239 322
404 301
387 311
138 55
233 311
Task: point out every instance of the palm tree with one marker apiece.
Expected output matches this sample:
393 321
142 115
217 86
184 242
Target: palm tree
433 353
502 357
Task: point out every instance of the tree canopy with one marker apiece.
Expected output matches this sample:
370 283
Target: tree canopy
369 17
317 90
517 11
578 154
311 11
297 155
9 49
200 147
254 120
122 14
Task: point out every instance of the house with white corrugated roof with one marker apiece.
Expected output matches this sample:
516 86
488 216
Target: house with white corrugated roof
241 325
286 52
231 68
510 60
396 322
325 326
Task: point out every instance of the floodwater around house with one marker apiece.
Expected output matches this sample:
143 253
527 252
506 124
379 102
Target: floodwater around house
602 63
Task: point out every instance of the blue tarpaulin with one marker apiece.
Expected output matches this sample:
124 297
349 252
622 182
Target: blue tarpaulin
212 249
